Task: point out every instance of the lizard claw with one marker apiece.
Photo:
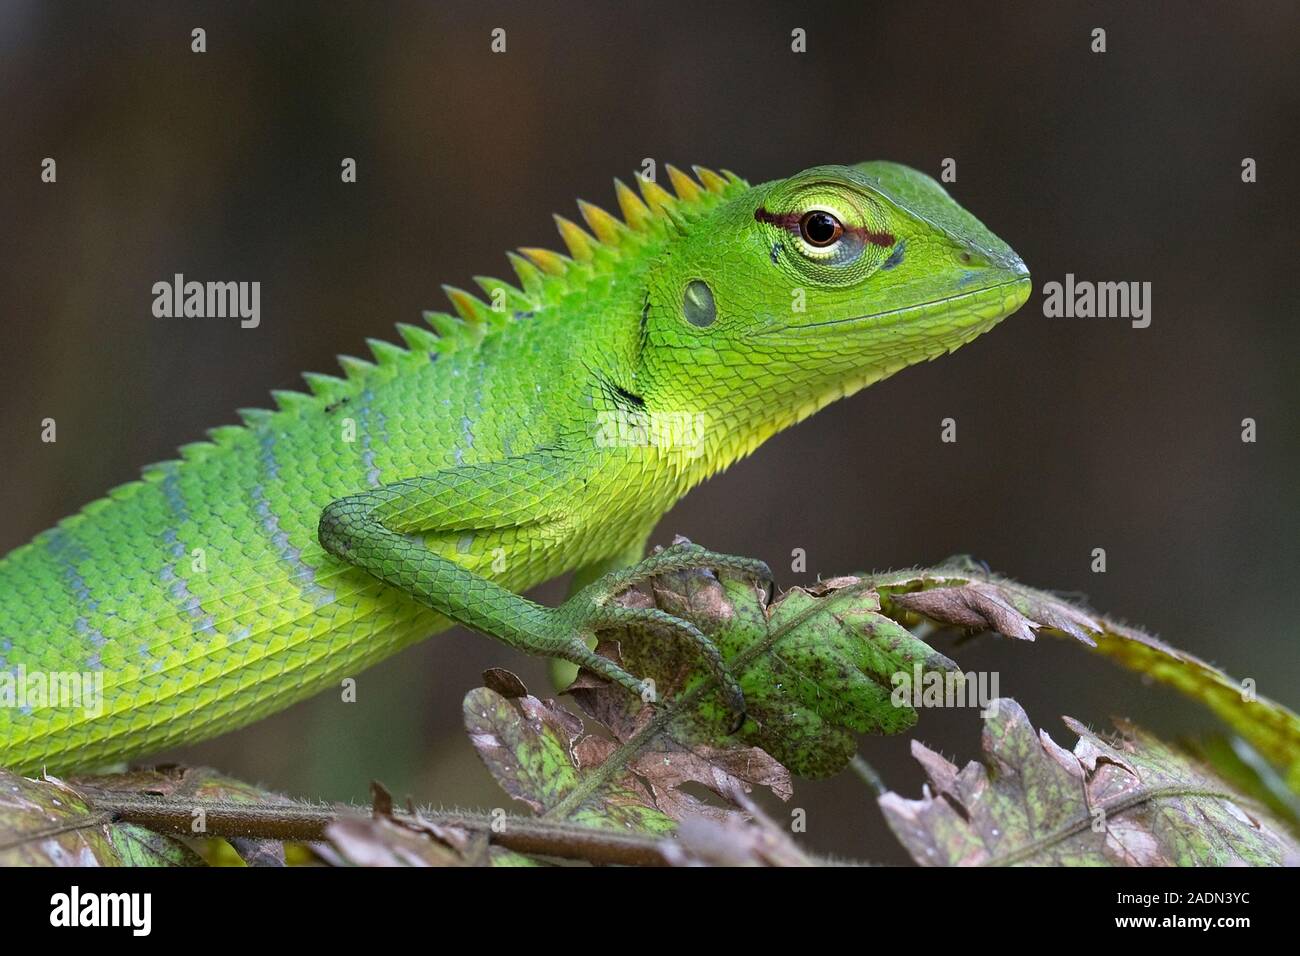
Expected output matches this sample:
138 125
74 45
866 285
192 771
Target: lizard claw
682 555
591 610
651 619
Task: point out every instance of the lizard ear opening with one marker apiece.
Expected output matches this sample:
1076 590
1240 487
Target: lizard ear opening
697 304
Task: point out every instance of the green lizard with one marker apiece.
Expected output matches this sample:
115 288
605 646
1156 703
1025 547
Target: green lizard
542 431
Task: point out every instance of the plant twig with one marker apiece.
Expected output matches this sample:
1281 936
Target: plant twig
868 775
667 711
308 824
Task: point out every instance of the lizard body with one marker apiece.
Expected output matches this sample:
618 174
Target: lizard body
541 431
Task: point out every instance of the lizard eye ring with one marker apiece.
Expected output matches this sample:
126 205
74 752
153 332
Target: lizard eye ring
820 229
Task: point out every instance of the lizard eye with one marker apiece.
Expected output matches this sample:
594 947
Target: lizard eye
820 229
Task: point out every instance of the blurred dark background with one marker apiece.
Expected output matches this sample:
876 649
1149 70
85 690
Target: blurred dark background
1073 433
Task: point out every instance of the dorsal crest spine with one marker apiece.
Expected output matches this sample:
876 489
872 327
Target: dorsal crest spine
542 273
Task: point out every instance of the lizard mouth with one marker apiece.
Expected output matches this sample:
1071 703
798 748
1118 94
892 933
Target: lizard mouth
977 304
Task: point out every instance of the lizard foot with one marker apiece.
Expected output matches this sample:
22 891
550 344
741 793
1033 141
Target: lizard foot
591 610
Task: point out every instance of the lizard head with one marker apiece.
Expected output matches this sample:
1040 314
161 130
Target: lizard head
793 293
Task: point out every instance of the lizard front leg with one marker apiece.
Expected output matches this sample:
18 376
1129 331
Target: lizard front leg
563 673
380 531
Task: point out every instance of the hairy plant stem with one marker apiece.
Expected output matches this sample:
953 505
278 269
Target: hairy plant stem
308 824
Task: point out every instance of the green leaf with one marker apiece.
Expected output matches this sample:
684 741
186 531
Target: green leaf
1132 801
384 839
366 842
979 601
817 666
203 786
47 822
1241 765
701 841
540 754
